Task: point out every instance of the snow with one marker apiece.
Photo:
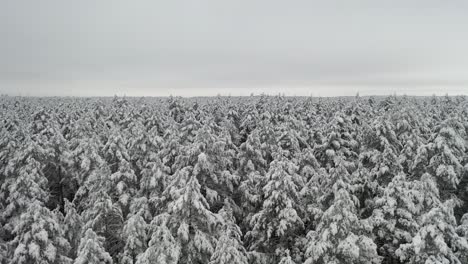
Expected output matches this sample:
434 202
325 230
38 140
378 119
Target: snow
34 250
305 180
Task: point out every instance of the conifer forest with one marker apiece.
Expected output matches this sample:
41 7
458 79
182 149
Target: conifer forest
234 180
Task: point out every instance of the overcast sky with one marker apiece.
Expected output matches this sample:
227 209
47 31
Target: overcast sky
236 47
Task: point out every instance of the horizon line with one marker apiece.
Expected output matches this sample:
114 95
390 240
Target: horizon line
223 95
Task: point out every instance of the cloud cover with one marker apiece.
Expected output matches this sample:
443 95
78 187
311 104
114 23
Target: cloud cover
210 47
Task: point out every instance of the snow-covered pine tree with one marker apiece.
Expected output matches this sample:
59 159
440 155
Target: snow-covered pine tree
39 238
229 248
462 231
224 152
436 241
379 164
276 225
341 237
339 143
123 179
57 162
4 250
163 248
429 195
308 164
338 174
286 259
171 147
134 232
288 138
212 159
189 218
441 157
25 183
410 147
252 168
314 177
266 132
105 218
187 129
176 108
395 217
121 112
56 167
115 149
91 250
408 124
384 165
85 158
124 185
249 120
143 145
311 197
154 177
10 140
250 155
141 205
232 123
72 227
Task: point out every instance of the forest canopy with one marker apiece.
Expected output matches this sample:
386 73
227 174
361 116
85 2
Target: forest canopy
259 179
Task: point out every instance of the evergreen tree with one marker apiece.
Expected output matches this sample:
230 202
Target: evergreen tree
105 218
229 247
142 207
171 148
163 248
276 224
341 237
252 168
187 129
25 184
436 241
61 183
308 164
154 177
39 238
312 197
9 144
212 161
286 259
189 218
143 145
339 145
134 233
395 217
91 250
441 157
250 155
124 185
72 226
462 231
409 152
85 158
4 251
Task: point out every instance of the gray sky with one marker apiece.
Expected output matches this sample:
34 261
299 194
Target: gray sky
209 47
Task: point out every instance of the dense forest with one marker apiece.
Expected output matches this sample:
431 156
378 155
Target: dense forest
259 179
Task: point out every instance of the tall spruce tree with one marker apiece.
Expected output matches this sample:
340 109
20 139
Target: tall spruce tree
189 219
39 238
436 241
91 250
277 223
